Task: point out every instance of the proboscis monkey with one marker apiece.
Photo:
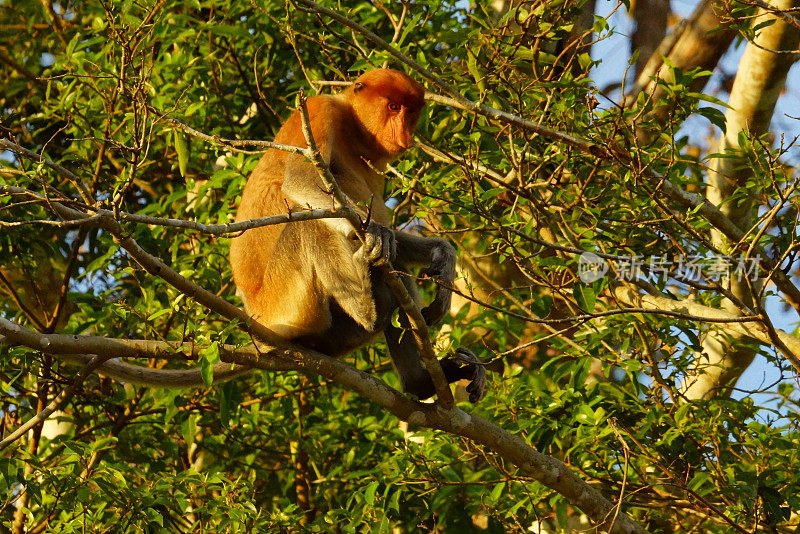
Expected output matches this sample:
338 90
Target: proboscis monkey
315 282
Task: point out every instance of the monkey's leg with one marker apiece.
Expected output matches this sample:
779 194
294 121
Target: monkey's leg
415 379
461 365
407 362
347 276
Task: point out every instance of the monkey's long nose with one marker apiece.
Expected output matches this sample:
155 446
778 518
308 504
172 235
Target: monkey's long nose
406 138
406 141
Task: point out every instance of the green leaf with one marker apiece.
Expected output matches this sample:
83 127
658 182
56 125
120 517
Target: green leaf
171 409
561 514
189 429
229 31
497 491
182 150
209 357
229 399
491 193
472 65
585 415
694 340
409 27
541 305
34 491
764 24
714 115
72 44
101 261
159 313
585 297
369 493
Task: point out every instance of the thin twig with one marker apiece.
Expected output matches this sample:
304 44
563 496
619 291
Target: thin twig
212 229
55 404
33 156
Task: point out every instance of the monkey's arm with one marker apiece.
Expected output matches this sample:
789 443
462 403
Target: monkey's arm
303 186
438 257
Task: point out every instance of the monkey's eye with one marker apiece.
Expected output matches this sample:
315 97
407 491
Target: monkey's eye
394 107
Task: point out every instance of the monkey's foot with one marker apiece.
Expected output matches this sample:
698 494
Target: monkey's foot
464 365
379 245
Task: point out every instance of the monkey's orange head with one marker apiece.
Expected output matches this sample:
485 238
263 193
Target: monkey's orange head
388 104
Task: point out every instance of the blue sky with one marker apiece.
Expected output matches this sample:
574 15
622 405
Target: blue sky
615 53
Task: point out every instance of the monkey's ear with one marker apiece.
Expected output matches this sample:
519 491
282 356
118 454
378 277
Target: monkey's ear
358 86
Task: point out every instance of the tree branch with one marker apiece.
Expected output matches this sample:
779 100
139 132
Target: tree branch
753 328
55 404
690 201
545 469
212 229
73 178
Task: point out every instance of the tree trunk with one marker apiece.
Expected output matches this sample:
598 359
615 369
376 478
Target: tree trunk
651 26
759 81
699 41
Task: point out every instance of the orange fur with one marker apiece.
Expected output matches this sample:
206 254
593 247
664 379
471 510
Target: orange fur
276 268
311 281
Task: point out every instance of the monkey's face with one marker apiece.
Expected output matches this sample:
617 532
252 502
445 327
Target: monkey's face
395 130
388 103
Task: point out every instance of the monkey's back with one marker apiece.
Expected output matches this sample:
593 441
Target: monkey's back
270 262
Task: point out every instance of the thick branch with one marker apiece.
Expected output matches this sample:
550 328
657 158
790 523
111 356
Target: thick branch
759 81
549 471
698 41
752 329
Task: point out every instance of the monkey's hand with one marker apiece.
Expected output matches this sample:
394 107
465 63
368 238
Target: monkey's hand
379 246
443 268
461 365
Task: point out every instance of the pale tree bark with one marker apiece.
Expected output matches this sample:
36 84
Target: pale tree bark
759 81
